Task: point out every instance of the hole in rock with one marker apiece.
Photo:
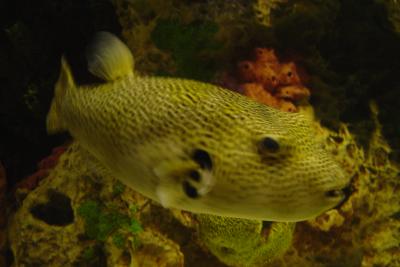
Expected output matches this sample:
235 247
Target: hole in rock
56 211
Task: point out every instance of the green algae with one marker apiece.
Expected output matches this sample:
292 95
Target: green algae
191 46
101 223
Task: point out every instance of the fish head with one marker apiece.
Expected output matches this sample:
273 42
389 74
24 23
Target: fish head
279 174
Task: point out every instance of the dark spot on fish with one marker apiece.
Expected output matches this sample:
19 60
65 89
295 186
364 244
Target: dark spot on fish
195 175
190 191
269 144
202 158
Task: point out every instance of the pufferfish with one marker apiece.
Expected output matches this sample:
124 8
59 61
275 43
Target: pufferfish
195 146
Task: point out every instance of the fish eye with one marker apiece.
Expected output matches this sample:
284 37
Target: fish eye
189 190
269 144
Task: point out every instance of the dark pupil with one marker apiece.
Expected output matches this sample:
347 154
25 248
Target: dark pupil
289 74
270 144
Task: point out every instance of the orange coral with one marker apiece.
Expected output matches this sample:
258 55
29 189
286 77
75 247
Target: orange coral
270 82
293 92
246 71
265 55
288 74
266 75
260 72
256 91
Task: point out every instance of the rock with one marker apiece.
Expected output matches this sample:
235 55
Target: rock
78 215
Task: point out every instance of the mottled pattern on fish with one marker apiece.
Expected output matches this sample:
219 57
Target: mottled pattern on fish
265 163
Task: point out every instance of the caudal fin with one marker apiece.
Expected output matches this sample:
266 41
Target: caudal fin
65 82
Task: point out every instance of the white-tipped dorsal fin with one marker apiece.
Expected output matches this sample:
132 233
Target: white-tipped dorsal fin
108 57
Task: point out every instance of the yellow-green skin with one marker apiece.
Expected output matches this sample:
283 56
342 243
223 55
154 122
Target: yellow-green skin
144 130
240 242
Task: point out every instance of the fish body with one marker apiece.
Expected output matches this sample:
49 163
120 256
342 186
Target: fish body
195 146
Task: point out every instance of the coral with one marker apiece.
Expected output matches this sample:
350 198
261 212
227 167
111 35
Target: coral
239 242
364 230
288 75
265 74
292 93
195 39
263 8
191 46
265 55
257 91
101 222
77 211
92 219
246 71
346 77
393 9
270 82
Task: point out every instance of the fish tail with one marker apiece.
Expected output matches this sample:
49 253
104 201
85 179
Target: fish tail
65 82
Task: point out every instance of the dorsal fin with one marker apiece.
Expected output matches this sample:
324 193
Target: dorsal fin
65 82
108 57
